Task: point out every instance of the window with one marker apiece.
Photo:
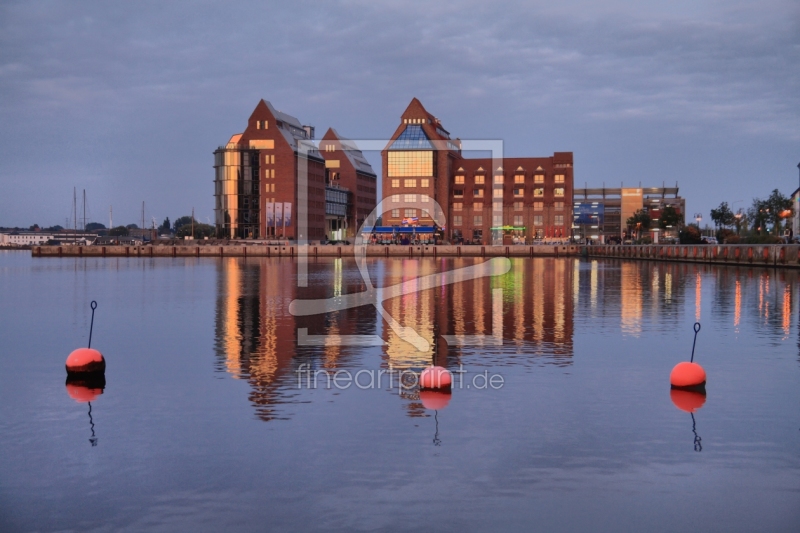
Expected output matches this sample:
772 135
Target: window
396 198
538 178
258 124
410 199
477 206
457 220
272 159
497 193
457 206
395 213
458 193
497 220
559 220
498 179
559 191
410 213
478 193
517 220
395 183
538 206
459 180
424 198
517 206
519 192
410 183
479 179
412 163
425 182
537 220
559 178
519 178
477 220
538 193
559 206
497 206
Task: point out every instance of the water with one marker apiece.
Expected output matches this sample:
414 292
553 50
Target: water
202 425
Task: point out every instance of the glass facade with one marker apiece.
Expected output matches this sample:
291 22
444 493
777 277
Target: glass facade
412 138
402 164
236 193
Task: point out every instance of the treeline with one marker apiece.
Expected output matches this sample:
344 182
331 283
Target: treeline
765 221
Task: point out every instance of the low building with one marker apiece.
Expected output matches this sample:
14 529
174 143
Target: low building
25 238
601 214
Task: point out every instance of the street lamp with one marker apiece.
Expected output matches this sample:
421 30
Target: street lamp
738 216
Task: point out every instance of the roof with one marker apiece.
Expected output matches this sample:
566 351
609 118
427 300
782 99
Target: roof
412 138
354 155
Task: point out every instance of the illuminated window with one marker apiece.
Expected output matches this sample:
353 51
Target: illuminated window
538 178
410 198
497 193
538 206
537 220
498 179
458 193
559 206
457 220
517 206
497 206
425 182
457 206
477 206
519 192
559 220
477 220
538 193
459 180
517 220
410 183
410 164
395 183
272 159
424 198
395 213
258 124
478 193
519 178
559 191
559 178
479 179
410 212
497 220
396 198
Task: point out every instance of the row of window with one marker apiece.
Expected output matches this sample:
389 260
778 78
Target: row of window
497 220
498 193
518 206
411 183
262 124
410 198
518 178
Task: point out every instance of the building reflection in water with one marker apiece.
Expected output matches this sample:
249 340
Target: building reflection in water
535 308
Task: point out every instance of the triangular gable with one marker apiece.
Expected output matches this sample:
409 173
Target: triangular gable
412 138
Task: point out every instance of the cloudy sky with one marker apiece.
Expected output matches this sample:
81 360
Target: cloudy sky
129 100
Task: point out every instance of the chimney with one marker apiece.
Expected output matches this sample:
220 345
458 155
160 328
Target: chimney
309 131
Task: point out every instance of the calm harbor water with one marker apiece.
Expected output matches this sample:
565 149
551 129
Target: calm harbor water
206 425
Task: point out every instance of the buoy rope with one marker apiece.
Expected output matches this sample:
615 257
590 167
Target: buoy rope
93 440
696 329
698 447
93 305
436 440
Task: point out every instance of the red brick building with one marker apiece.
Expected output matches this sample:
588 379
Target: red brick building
488 201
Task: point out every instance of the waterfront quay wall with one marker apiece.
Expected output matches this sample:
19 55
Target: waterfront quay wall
262 250
772 255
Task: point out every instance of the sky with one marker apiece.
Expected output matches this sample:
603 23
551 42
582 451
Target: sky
129 100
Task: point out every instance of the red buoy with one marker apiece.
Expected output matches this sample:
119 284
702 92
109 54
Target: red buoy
434 400
686 400
435 378
85 361
80 393
687 375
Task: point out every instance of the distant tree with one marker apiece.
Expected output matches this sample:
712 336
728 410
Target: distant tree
724 236
54 228
182 221
770 212
200 230
35 227
723 216
690 235
669 217
132 226
165 226
92 226
639 221
119 231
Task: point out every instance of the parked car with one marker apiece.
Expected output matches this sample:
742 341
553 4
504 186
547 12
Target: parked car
710 240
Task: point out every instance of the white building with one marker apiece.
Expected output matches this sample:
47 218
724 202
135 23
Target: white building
24 238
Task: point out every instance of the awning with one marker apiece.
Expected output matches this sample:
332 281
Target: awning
416 229
506 228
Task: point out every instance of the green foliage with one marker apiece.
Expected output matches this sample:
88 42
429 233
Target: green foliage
165 226
119 231
669 217
723 216
200 230
639 219
34 227
733 239
92 226
761 239
724 236
132 226
54 228
182 221
645 240
770 212
690 235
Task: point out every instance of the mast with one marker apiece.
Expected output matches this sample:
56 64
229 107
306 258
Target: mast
193 223
74 213
142 215
110 217
84 210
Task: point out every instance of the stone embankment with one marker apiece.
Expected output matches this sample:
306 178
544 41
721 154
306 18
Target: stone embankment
773 255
